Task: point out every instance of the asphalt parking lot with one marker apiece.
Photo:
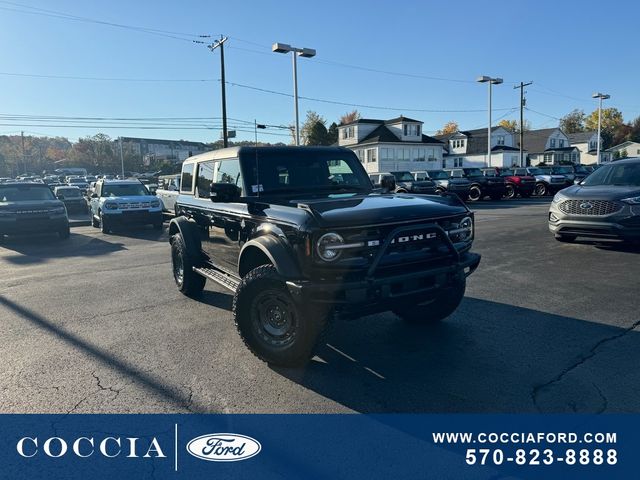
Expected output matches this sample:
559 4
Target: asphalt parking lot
95 324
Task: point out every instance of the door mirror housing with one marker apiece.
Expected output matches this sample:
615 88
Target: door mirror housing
388 183
224 192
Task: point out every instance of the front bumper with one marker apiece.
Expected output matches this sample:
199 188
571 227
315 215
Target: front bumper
377 294
20 226
133 217
622 225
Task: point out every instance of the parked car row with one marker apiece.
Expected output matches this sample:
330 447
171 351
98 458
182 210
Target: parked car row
474 184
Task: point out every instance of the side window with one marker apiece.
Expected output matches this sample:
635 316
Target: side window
99 189
187 177
205 177
229 172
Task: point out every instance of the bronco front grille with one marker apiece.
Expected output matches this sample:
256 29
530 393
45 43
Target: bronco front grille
589 207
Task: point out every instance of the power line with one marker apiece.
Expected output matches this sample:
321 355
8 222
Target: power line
65 16
358 105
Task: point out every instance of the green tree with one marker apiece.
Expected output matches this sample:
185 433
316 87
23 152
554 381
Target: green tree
314 130
573 122
332 134
623 153
612 121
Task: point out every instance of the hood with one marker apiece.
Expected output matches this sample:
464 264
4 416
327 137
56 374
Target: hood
601 192
130 199
380 209
30 205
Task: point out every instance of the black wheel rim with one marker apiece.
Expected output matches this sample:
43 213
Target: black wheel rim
540 190
178 266
274 319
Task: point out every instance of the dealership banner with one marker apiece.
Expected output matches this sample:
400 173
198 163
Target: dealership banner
319 446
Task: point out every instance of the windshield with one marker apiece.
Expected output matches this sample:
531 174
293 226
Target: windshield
582 169
20 193
473 172
506 172
124 190
561 170
403 176
77 180
441 175
295 171
627 175
68 192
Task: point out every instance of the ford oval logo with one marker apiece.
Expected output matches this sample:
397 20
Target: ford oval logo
224 447
586 206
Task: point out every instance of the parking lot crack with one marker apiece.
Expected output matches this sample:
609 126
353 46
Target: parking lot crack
593 351
102 387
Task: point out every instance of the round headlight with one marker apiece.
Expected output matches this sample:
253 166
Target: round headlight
155 203
326 246
463 232
111 205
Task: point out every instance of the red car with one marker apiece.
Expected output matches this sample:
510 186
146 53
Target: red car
517 182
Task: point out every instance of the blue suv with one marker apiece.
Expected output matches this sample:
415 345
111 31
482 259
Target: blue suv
124 202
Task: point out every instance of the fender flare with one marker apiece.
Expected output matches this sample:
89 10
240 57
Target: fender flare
278 253
190 234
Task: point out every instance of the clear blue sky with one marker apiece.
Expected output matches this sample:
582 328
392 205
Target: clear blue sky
569 49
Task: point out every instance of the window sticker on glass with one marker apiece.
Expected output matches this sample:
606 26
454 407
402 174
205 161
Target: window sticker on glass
257 188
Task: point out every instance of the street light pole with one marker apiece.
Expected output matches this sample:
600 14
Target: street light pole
212 47
491 82
600 97
303 52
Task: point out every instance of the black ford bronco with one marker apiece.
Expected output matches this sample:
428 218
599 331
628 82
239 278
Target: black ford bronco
300 236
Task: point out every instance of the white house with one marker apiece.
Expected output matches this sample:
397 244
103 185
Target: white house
391 145
587 145
550 146
153 149
623 150
468 148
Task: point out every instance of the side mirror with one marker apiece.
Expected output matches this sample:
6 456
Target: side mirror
94 195
388 184
224 192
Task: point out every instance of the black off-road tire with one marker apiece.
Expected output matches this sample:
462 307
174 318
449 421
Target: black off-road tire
64 233
274 327
475 193
435 310
104 224
188 282
511 192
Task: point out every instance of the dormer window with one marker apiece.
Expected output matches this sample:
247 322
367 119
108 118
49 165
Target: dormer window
411 130
561 143
500 140
552 142
348 132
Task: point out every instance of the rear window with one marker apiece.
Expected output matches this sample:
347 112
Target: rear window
69 192
21 193
124 190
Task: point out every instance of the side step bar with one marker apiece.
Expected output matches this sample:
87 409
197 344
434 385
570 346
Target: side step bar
219 277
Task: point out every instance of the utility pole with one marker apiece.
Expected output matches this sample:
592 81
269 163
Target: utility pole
24 157
212 47
523 102
121 158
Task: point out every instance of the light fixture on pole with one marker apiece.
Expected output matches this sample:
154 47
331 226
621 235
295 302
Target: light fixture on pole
303 52
490 81
600 97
